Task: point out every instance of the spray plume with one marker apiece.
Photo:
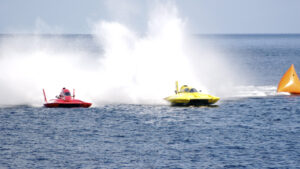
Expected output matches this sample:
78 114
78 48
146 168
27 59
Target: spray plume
131 68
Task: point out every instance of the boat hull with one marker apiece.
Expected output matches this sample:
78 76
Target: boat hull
195 102
195 99
67 105
60 103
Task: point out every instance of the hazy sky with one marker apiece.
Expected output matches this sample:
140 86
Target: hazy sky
202 16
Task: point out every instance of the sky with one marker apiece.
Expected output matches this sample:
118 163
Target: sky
202 16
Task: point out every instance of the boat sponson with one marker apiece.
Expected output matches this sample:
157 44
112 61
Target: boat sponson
194 102
67 105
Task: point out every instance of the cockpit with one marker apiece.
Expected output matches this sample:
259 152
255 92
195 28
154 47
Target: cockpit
193 90
187 89
67 93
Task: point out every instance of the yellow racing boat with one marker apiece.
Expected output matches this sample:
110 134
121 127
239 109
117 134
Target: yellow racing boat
189 96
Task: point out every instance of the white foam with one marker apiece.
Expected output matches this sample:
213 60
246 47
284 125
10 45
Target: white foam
133 68
255 91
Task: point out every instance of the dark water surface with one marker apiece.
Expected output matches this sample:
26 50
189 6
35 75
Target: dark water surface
245 132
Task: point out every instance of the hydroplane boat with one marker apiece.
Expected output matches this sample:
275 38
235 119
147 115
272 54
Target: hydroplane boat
289 82
189 96
65 100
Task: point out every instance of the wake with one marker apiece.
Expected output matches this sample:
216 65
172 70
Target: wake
255 91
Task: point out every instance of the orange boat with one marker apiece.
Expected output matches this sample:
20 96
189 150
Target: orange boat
289 82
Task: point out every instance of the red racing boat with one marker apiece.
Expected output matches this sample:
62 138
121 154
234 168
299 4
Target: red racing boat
65 100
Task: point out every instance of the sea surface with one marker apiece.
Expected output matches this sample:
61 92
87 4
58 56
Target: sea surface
261 130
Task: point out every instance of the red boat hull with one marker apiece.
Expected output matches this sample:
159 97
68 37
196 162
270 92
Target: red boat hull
59 103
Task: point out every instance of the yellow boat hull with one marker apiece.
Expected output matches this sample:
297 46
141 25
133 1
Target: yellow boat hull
195 99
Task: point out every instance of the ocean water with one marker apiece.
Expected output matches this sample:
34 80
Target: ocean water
256 129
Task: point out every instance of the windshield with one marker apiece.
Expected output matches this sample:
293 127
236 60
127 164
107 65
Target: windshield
193 90
67 94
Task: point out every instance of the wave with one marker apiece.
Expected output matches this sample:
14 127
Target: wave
21 106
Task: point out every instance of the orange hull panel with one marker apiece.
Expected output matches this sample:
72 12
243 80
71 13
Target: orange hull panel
289 82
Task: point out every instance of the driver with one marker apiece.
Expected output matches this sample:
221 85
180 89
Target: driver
62 94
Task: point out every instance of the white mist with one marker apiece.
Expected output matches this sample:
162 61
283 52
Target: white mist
131 69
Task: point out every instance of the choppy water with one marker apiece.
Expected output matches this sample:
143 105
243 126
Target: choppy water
246 133
241 132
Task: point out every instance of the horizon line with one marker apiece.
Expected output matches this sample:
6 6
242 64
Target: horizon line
196 34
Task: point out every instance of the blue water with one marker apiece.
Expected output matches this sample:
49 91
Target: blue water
246 132
265 57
